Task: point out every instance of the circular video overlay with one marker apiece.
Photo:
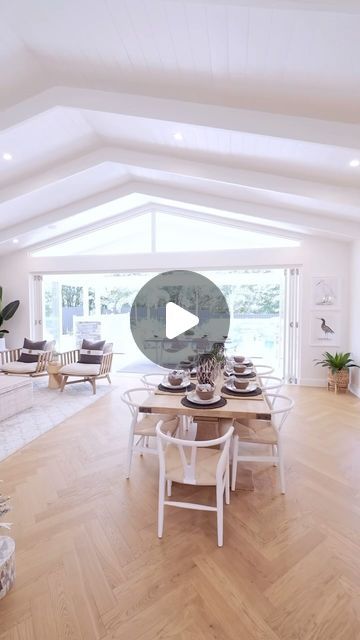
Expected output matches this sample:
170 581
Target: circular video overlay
177 316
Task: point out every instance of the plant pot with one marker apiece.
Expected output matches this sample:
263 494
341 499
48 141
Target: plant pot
338 381
7 564
2 344
205 369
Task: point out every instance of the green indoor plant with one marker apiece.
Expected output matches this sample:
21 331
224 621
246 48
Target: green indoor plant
6 313
338 365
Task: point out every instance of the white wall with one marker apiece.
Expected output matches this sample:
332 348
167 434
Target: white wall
355 315
317 257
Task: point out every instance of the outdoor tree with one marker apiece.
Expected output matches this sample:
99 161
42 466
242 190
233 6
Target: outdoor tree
71 296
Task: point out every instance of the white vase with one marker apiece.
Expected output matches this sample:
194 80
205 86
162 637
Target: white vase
2 344
7 564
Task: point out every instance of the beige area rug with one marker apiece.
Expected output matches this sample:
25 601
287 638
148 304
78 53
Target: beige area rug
50 408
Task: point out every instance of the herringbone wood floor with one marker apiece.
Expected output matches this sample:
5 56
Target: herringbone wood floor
90 567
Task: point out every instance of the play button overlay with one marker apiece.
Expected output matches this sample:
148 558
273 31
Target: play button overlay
177 316
178 320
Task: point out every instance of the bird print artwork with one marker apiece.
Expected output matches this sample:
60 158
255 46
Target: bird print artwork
327 331
325 292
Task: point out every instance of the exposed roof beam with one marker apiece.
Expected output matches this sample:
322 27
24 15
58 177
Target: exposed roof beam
62 213
170 110
264 217
173 165
329 6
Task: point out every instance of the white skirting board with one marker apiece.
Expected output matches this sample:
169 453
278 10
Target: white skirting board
312 382
355 390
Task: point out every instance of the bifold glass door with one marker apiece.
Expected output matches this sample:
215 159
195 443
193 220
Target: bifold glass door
263 305
292 324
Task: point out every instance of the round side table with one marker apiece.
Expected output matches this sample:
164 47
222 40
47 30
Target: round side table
54 376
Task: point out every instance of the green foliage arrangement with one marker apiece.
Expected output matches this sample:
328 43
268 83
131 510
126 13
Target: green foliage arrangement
336 361
6 312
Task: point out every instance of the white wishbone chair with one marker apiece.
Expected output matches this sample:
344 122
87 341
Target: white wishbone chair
262 432
143 425
152 380
272 384
193 462
263 370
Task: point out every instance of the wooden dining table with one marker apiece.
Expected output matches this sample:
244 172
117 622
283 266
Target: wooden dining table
236 407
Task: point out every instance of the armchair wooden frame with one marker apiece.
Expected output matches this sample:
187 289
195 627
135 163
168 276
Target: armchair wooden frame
12 355
71 357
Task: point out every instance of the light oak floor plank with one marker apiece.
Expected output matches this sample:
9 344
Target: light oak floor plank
90 566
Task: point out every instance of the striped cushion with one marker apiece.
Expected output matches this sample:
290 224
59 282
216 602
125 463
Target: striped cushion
31 350
91 352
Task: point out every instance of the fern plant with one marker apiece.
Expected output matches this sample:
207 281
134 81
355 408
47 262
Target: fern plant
336 361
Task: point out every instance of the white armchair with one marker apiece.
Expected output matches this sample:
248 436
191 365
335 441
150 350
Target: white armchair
10 365
85 372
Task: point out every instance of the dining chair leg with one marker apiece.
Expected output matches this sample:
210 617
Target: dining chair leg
227 484
129 452
234 462
281 467
220 513
161 506
274 453
169 487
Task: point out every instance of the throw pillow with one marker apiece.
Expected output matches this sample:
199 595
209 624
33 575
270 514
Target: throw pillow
31 350
91 352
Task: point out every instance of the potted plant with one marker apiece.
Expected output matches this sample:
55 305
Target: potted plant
338 365
6 313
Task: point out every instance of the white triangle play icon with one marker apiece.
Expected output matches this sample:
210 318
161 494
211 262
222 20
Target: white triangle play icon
178 320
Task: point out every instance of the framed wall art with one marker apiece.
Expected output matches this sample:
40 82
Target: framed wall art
325 292
324 328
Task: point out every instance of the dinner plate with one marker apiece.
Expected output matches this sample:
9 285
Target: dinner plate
243 373
251 387
193 397
183 385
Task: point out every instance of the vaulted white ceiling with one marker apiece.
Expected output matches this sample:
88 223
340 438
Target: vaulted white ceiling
265 96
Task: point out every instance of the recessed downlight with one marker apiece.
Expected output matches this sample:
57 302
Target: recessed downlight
15 240
7 156
355 162
178 136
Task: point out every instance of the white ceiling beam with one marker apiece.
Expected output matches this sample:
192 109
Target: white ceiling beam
263 216
179 111
62 213
216 173
329 6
